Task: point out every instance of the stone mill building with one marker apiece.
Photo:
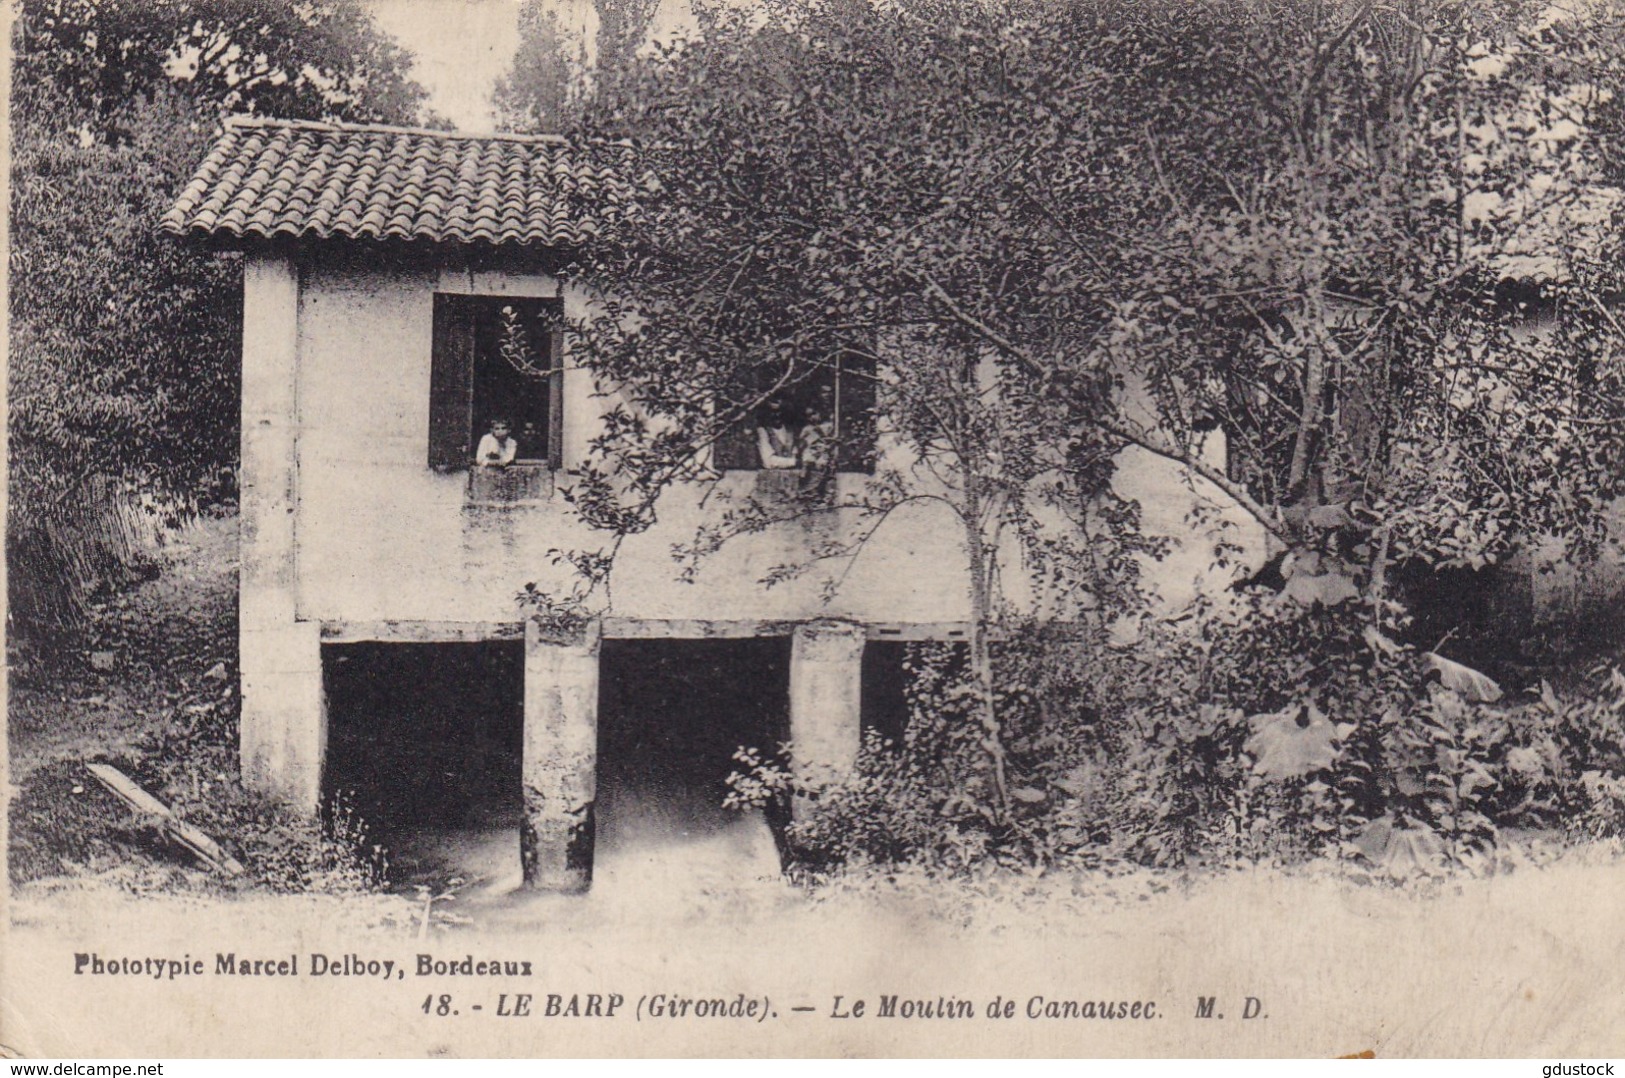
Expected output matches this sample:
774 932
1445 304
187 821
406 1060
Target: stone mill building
381 268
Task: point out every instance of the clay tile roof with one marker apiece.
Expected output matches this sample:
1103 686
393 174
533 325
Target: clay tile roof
289 178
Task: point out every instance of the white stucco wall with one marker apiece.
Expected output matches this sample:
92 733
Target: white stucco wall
383 537
1210 538
1564 586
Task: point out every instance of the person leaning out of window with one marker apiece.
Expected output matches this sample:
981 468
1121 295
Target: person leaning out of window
498 447
778 435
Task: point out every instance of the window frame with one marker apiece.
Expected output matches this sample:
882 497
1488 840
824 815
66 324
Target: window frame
852 388
454 376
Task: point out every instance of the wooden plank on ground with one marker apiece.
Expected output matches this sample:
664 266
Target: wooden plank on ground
142 803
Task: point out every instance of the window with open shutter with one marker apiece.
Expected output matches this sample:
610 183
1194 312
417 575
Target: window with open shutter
736 448
832 407
495 360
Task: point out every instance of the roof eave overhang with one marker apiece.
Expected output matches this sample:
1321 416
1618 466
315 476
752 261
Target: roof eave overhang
397 247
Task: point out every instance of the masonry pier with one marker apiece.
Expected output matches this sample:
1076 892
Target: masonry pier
560 761
826 703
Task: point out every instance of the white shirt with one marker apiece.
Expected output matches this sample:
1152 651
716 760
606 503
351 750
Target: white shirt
776 446
492 451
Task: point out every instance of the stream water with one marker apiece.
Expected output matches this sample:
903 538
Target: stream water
426 739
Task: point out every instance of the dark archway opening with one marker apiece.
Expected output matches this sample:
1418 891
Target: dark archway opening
885 690
672 713
1480 617
424 743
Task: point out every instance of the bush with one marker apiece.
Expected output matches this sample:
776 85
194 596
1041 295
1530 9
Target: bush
1259 730
190 764
1293 732
927 800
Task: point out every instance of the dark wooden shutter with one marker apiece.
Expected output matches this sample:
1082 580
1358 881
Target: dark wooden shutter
555 394
737 447
855 413
451 383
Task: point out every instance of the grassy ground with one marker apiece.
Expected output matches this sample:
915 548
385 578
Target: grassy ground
105 698
152 691
154 645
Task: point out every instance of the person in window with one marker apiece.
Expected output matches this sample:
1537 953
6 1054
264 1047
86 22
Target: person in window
816 445
778 438
498 448
817 436
532 446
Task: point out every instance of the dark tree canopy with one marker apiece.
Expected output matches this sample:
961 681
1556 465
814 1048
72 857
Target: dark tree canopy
623 27
1289 222
125 343
1065 229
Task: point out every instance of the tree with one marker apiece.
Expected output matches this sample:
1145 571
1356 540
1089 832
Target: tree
1060 230
276 58
829 194
124 344
623 27
553 72
542 91
1326 273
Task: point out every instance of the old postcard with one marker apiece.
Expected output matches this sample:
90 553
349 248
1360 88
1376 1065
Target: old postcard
914 528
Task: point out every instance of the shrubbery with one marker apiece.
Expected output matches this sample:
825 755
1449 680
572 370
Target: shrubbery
63 823
191 764
1257 731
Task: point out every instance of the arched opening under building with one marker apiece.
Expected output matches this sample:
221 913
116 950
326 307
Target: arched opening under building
672 714
424 744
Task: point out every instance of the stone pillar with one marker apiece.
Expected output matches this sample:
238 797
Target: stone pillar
826 695
560 762
283 732
269 442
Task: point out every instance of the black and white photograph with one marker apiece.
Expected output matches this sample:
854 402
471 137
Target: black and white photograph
815 528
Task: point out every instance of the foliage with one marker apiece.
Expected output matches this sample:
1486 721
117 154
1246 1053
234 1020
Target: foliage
190 763
1582 739
124 344
623 28
1331 274
542 91
515 346
563 616
1262 731
821 202
1405 775
263 57
555 74
1378 248
926 800
62 823
1390 274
